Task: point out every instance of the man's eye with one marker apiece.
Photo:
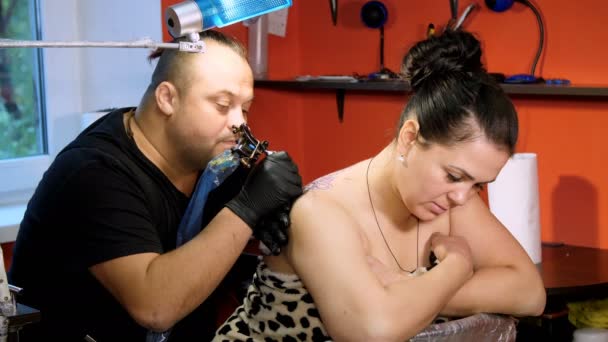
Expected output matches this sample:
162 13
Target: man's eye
480 187
222 107
453 178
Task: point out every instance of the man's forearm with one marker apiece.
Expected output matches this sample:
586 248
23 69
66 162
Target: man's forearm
179 281
498 290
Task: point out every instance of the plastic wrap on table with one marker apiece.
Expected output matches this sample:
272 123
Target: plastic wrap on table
478 328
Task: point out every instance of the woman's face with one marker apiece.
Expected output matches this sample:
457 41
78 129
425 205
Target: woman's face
440 177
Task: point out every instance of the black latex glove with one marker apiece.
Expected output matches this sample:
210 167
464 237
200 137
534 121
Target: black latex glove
272 230
271 185
226 191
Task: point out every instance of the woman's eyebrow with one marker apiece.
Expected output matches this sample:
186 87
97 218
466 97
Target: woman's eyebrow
466 174
463 171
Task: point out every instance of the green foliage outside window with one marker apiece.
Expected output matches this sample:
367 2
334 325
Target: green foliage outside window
20 110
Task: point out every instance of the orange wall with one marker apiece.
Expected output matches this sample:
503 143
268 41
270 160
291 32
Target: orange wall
567 134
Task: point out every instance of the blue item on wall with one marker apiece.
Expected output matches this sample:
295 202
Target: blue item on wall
374 14
499 5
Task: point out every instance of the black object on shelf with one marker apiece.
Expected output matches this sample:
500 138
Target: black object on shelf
374 15
333 5
497 76
503 5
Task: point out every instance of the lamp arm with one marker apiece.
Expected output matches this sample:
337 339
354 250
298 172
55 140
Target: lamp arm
542 33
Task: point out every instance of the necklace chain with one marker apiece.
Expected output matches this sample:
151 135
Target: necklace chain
131 114
380 229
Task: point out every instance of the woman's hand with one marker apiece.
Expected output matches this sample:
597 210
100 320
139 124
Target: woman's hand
445 246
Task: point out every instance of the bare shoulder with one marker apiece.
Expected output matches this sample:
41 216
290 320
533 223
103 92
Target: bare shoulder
326 182
326 202
473 211
314 207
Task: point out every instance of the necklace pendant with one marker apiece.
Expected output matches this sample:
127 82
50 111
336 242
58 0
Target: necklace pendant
419 271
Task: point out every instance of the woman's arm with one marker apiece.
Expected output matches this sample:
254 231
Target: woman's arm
505 279
327 252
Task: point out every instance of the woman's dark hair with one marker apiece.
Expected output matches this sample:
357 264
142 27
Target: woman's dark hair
173 66
454 99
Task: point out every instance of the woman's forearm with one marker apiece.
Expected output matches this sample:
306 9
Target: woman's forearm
499 290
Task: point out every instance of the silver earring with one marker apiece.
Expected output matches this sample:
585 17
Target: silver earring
401 158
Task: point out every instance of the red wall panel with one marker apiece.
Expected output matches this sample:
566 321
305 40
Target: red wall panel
567 134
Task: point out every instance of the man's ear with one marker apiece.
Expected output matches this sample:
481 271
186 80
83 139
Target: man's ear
166 97
408 133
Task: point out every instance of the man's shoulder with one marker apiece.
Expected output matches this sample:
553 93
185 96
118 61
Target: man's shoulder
83 157
104 142
107 134
89 163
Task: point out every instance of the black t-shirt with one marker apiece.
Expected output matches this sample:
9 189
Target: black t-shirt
99 200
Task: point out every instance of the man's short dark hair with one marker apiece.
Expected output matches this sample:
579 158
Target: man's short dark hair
172 65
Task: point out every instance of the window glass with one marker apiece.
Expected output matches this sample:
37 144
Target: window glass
21 101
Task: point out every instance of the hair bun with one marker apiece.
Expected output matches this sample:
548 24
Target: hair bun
451 54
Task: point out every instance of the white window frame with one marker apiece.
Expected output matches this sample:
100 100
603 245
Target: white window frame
20 175
79 80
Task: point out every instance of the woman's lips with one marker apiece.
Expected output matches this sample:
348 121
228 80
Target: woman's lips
437 209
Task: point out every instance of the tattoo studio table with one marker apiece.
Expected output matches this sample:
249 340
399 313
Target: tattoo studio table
573 272
570 273
25 315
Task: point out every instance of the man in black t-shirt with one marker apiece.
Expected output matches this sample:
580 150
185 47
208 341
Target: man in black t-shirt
96 251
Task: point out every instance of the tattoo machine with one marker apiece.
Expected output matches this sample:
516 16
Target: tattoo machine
246 153
248 148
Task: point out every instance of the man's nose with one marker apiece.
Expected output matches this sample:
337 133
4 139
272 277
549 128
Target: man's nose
236 117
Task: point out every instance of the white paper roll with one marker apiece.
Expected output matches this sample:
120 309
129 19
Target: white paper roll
513 199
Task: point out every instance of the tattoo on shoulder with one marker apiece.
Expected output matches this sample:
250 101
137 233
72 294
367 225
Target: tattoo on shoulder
323 183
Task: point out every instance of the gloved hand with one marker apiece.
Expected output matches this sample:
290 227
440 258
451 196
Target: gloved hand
272 184
272 231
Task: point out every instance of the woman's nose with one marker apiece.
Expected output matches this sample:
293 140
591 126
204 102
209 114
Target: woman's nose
460 195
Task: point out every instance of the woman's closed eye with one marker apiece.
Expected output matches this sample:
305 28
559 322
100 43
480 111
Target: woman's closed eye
453 178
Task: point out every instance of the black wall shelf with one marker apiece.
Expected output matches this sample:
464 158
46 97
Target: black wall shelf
399 86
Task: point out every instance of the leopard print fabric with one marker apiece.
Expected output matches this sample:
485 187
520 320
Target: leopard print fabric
277 307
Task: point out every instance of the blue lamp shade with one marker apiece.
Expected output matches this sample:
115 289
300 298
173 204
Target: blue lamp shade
499 5
374 14
194 16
